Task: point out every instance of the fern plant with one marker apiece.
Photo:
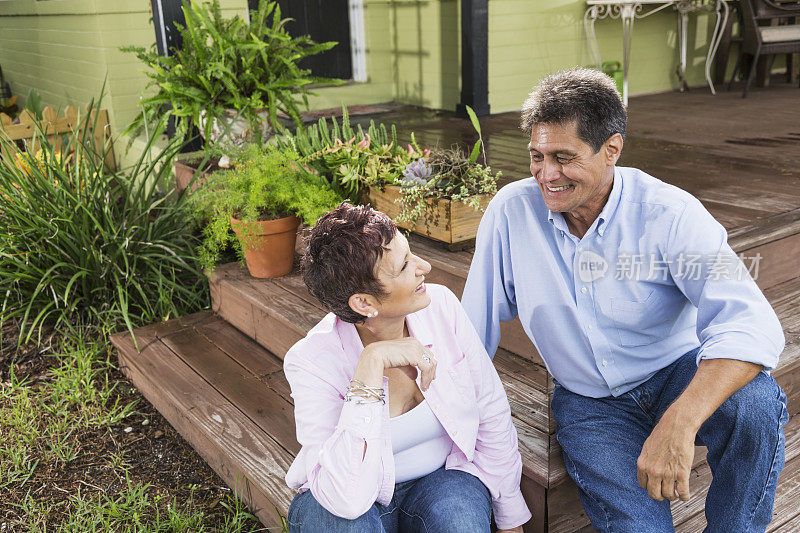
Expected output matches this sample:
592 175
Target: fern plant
266 183
229 64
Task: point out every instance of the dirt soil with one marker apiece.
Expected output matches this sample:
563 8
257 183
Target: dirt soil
153 452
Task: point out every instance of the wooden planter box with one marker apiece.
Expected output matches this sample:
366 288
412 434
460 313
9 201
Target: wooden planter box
453 223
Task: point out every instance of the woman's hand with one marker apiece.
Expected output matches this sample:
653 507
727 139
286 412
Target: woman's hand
399 353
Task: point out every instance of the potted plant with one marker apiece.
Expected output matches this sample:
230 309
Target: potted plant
262 199
439 193
231 78
441 196
191 169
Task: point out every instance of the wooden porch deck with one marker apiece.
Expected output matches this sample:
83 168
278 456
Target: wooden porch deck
217 377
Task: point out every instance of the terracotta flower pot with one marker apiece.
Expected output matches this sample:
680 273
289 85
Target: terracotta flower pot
185 173
268 246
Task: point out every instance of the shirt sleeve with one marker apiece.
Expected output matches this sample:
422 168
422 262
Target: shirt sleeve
497 461
341 442
489 297
734 319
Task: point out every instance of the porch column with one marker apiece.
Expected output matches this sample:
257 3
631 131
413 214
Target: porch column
474 57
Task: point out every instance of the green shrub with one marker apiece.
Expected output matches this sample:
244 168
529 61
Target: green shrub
82 244
265 183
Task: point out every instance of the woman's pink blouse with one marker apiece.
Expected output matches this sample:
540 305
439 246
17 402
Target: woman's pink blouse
467 397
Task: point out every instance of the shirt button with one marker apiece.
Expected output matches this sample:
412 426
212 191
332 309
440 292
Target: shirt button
367 420
605 362
590 327
617 389
583 290
455 432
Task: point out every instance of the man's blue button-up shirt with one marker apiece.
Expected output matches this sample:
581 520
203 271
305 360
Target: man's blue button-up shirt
653 278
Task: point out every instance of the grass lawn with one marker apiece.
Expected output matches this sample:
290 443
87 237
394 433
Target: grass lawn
82 450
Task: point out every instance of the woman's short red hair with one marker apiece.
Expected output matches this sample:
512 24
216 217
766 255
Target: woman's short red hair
341 254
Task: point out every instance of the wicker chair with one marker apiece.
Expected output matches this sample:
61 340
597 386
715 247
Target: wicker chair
761 40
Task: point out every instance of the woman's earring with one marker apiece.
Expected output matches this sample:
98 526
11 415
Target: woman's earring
372 314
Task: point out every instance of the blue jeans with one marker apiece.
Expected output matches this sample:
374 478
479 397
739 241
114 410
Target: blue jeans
444 501
603 437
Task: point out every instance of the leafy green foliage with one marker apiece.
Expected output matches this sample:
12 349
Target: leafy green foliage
265 183
352 159
80 244
230 64
33 103
473 118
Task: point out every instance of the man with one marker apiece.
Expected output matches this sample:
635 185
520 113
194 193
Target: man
655 332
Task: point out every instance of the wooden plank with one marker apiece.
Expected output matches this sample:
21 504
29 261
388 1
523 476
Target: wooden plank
778 260
243 389
517 367
533 449
565 513
245 457
763 231
273 317
536 497
241 348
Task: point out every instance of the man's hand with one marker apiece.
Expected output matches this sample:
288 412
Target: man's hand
666 460
668 452
517 529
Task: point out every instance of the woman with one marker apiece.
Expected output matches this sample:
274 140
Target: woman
402 418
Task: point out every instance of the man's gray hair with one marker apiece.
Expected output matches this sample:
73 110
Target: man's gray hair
579 94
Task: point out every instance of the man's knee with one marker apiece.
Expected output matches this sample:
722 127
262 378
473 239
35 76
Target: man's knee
754 410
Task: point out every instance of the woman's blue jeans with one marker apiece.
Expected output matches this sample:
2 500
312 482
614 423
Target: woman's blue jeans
444 501
603 437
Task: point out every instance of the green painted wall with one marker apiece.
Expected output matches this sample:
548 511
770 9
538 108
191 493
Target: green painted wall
413 56
530 39
66 48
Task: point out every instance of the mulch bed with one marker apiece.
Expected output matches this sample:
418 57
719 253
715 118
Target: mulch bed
153 452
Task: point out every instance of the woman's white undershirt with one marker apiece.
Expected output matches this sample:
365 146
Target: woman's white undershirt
419 442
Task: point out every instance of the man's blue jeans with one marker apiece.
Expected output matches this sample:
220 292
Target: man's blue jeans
603 437
444 501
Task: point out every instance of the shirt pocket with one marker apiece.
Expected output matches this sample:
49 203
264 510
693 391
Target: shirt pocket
642 322
462 377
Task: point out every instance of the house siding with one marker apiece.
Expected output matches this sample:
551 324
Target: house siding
530 39
66 48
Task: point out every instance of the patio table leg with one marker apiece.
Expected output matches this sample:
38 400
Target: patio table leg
683 23
723 11
589 18
628 13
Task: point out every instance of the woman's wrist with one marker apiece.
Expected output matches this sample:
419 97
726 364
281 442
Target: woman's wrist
369 369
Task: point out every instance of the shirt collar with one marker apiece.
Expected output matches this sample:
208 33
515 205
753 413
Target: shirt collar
611 205
557 219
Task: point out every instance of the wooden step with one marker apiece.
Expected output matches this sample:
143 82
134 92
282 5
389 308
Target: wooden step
187 367
218 402
277 313
229 399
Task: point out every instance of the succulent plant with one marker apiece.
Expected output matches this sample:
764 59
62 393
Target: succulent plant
416 173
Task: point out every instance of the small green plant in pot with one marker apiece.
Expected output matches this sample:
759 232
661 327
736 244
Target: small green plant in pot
263 200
